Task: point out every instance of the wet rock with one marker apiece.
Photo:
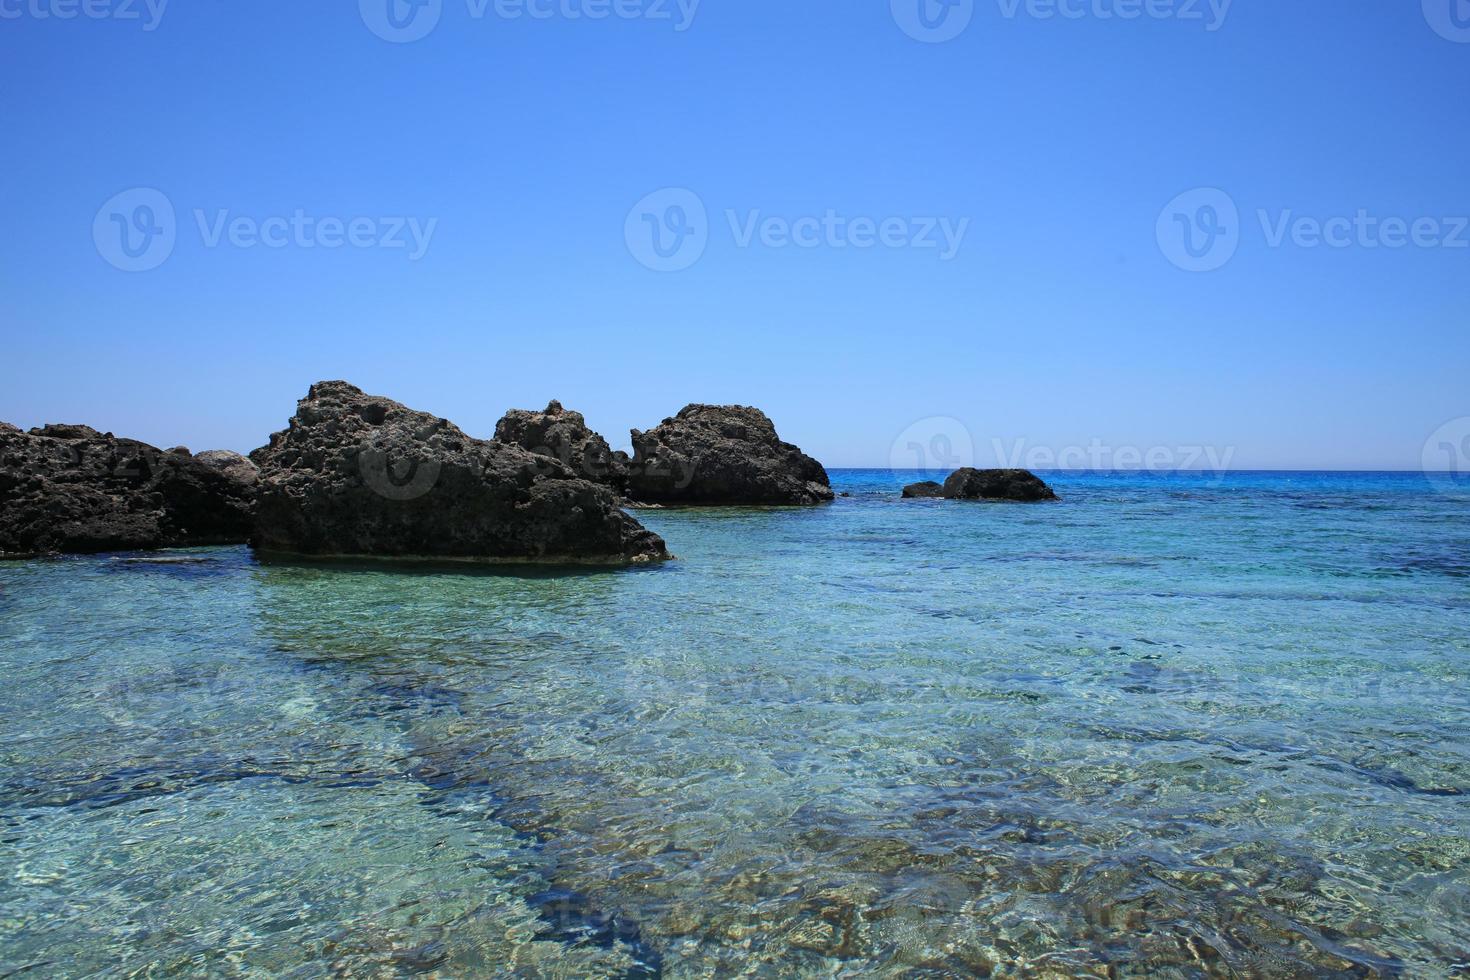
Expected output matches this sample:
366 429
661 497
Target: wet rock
1017 485
361 475
926 489
713 454
563 435
72 489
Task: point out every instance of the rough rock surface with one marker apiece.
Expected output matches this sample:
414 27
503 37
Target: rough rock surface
713 454
926 489
563 435
233 465
357 474
1018 485
70 488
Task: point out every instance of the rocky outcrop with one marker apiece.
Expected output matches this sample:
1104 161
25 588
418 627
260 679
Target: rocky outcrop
70 488
1018 485
360 475
563 435
712 454
926 489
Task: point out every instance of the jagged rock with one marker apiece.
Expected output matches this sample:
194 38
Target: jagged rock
563 435
926 489
70 488
712 454
1019 485
357 474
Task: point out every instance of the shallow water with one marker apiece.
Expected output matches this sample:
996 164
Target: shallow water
1174 726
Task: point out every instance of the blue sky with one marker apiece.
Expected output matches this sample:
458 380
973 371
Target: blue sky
1053 143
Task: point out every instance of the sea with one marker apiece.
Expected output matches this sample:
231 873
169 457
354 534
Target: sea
1176 725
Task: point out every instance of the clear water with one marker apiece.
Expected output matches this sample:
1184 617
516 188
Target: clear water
1173 726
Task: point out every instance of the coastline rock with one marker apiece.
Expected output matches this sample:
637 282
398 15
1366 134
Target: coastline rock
563 435
730 454
72 489
926 489
233 465
360 475
1018 485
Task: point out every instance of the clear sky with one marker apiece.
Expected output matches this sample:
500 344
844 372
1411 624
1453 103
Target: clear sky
978 228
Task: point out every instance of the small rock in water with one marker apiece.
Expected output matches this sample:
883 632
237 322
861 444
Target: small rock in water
1018 485
722 454
926 489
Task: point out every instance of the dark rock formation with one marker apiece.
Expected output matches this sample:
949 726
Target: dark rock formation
70 488
711 454
926 489
1018 485
357 474
563 435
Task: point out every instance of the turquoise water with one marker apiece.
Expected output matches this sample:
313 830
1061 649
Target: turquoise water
1174 726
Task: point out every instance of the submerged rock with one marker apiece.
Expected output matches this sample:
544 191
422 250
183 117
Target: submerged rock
72 489
1018 485
361 475
926 489
563 435
713 454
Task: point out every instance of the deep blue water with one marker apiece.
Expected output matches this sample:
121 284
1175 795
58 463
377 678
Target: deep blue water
1173 725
